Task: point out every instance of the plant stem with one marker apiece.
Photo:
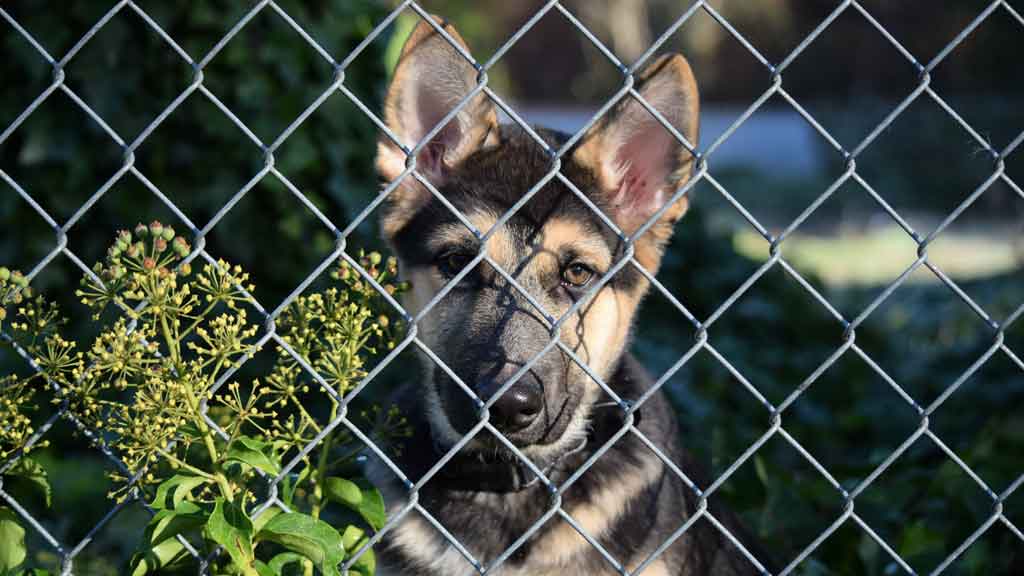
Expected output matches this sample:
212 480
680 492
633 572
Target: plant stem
211 448
174 459
321 469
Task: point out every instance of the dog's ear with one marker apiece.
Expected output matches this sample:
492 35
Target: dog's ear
431 78
638 163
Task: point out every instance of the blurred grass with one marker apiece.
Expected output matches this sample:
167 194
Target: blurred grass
879 255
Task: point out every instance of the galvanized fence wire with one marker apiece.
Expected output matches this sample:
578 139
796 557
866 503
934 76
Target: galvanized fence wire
68 551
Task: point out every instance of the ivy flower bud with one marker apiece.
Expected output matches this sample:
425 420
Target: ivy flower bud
160 245
5 274
141 231
18 279
149 263
180 246
168 233
375 258
156 228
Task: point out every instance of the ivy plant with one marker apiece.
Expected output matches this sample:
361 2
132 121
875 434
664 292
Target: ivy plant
204 450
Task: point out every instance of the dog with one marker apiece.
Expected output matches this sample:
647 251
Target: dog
556 248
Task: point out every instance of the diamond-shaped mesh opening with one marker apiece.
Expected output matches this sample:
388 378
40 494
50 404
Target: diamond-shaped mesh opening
200 174
25 68
78 475
903 21
794 356
853 66
870 435
270 208
782 499
327 159
59 147
981 254
703 38
926 500
57 37
267 102
980 436
974 77
721 417
851 240
702 269
561 80
162 72
773 154
903 163
774 30
934 349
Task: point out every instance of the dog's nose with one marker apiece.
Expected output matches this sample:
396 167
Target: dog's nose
517 408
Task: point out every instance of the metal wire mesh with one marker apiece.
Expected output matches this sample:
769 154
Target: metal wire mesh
68 551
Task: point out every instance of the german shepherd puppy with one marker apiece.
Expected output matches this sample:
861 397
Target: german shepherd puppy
485 330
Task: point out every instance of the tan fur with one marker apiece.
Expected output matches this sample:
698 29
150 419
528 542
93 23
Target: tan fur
563 542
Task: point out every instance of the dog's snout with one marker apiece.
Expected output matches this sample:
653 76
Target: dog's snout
517 408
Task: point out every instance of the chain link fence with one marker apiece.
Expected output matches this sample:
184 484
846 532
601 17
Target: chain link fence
69 551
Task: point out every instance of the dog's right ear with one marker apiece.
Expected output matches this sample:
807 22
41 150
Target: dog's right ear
431 78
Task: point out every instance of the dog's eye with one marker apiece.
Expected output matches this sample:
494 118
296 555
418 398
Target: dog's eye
451 263
577 275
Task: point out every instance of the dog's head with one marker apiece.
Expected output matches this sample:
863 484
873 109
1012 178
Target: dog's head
555 246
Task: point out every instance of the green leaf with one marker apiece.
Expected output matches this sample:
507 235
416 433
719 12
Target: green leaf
231 528
263 570
277 563
32 472
255 453
157 557
361 497
12 542
308 536
352 540
174 490
260 521
344 491
169 523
